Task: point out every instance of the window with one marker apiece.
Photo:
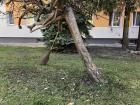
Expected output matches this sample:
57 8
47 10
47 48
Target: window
10 18
136 18
116 19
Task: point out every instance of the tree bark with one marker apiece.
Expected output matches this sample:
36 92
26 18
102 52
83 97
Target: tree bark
138 41
125 41
91 68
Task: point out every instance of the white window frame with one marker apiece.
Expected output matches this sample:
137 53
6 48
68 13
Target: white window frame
112 23
8 21
134 21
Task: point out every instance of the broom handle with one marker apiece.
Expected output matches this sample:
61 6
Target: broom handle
54 41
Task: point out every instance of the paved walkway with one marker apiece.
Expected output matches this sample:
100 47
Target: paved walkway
40 44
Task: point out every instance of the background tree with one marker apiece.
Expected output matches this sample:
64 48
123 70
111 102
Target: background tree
126 6
129 6
138 41
108 6
64 39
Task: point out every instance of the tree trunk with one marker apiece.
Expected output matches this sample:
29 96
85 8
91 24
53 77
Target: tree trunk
138 41
110 18
91 68
125 41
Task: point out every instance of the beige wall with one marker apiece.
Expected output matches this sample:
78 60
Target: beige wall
102 20
16 12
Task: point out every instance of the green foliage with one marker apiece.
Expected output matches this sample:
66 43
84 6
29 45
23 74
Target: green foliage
93 6
131 5
88 7
64 37
108 5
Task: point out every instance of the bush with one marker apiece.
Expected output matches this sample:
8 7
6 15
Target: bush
64 38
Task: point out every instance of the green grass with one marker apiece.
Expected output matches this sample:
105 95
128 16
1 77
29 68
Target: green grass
24 82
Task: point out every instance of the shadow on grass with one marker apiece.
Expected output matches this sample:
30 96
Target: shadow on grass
64 85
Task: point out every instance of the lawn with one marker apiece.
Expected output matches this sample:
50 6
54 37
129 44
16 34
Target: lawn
64 81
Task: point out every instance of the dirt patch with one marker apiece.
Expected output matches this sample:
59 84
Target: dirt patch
23 73
112 52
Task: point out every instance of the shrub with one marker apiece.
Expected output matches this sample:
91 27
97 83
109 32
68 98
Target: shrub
64 38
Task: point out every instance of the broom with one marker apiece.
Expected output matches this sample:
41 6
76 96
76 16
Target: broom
45 60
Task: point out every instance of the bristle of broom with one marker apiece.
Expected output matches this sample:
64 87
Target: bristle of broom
45 60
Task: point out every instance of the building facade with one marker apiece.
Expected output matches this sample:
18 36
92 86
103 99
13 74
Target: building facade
104 28
109 30
9 32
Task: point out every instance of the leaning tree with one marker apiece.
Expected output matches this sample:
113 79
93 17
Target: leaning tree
48 12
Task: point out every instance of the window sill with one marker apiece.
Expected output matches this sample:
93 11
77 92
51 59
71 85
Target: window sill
11 24
115 26
135 26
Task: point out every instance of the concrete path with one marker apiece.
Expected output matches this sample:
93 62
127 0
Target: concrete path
40 44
